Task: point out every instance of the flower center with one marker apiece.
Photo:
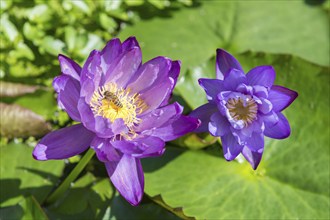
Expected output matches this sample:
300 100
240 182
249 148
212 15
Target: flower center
245 110
112 103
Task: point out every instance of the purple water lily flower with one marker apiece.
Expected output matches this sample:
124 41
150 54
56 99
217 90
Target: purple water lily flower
124 111
242 109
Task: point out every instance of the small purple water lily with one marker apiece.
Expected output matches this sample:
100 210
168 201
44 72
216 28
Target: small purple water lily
242 109
123 109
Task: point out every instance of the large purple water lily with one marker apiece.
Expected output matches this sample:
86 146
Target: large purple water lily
242 109
123 109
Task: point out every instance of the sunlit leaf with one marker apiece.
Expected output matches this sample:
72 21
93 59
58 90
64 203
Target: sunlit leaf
8 27
52 46
32 32
134 2
82 6
22 51
39 13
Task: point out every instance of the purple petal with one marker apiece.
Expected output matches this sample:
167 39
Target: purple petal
153 147
203 113
156 95
130 43
127 176
265 107
160 117
125 68
280 130
270 119
110 52
63 143
97 124
118 126
233 79
91 75
225 62
69 67
103 127
255 126
142 147
261 75
260 91
245 89
252 157
219 125
59 82
212 87
150 74
178 128
173 74
105 152
256 141
281 97
175 70
68 90
230 147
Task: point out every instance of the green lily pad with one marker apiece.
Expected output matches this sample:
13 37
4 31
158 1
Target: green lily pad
193 34
22 176
87 199
292 181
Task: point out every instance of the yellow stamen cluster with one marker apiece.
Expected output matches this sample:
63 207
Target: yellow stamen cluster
245 110
112 102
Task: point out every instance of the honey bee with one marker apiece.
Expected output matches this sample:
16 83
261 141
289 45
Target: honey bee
112 98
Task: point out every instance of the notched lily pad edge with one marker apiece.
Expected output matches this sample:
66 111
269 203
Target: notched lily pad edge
178 211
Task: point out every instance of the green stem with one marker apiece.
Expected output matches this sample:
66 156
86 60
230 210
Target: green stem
71 177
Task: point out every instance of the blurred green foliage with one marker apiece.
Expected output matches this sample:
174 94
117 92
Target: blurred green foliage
193 181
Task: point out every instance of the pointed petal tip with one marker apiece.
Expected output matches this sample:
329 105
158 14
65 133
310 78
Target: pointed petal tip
60 56
131 38
254 166
177 62
136 201
220 51
225 61
128 178
130 42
